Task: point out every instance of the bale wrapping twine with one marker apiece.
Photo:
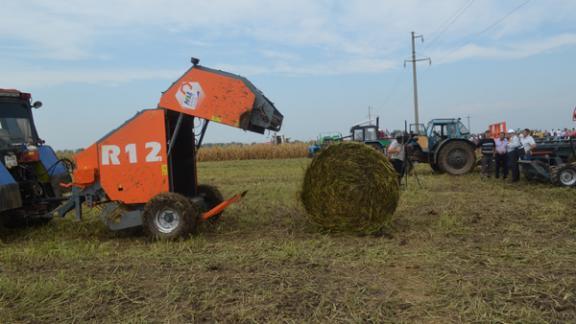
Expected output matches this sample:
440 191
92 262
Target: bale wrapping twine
350 187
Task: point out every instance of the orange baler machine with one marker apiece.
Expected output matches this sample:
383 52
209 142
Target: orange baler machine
144 172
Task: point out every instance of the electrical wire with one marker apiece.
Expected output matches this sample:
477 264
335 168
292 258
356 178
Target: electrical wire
449 22
486 29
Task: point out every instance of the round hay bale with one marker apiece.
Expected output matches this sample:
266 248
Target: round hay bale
350 187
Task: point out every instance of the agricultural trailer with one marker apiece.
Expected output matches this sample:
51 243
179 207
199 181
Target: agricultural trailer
552 161
444 144
144 173
30 172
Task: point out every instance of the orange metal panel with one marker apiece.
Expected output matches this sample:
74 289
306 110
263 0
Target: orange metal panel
211 96
133 161
130 162
87 167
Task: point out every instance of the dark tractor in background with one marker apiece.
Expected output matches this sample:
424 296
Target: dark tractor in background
370 135
30 172
444 144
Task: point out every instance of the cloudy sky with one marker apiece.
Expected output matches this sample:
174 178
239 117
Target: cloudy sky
94 64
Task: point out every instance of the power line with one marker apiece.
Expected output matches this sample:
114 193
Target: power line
491 26
441 29
449 22
503 18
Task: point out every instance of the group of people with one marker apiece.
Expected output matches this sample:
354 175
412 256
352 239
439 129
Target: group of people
506 151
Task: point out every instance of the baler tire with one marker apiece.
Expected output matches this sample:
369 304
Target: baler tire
213 197
169 216
445 154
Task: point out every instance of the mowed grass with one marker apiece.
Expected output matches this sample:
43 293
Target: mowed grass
461 249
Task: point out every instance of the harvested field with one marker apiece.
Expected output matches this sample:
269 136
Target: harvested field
461 250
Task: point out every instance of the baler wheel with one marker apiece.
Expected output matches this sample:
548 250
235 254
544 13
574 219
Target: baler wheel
212 197
169 216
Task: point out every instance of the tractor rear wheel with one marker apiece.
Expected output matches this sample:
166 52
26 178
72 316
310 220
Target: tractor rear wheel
169 216
212 197
565 175
456 158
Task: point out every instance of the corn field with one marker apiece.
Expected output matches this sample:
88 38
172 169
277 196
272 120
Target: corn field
238 152
252 152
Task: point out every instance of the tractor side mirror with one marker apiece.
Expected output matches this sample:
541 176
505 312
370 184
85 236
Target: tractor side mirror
37 104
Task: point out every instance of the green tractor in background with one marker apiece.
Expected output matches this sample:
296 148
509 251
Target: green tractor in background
323 140
444 144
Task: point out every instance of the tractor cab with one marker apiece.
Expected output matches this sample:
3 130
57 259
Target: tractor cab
364 133
370 134
437 131
17 127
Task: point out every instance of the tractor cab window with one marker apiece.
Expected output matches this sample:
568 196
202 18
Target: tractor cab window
15 131
451 130
358 135
371 134
437 131
463 129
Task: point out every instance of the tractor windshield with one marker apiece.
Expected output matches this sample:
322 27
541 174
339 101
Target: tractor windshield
463 129
15 123
15 130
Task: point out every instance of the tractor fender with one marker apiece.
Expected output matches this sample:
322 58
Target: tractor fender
446 141
9 191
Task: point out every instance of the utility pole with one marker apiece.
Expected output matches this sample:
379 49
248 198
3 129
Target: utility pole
414 60
468 118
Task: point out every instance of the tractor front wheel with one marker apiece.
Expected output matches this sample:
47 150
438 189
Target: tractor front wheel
169 216
456 158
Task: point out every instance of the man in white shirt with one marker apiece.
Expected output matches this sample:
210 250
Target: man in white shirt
528 143
396 155
513 149
501 155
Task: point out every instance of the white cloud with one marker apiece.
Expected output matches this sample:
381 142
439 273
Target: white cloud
509 51
24 78
339 67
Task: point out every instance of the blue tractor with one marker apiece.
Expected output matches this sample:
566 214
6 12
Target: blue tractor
30 171
444 144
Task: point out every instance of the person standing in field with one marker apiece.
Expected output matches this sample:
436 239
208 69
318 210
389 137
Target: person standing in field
501 155
528 144
397 156
486 144
513 151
